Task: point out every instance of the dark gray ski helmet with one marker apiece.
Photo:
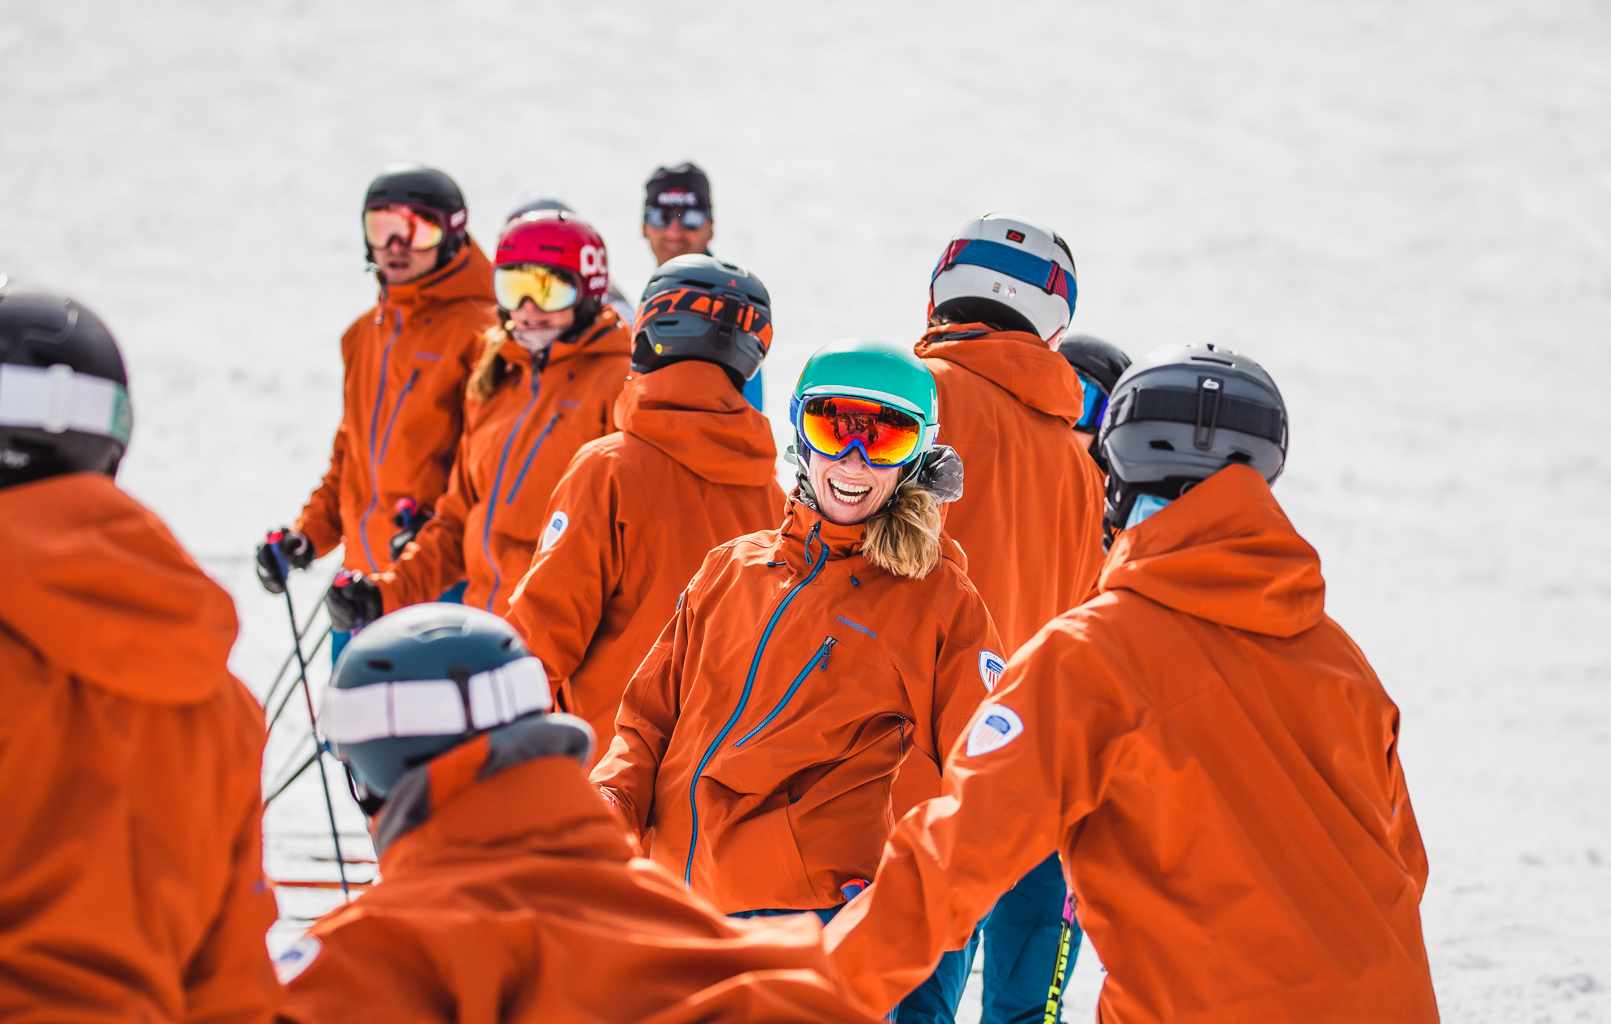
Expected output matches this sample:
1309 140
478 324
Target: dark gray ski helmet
64 400
420 681
1102 361
698 307
431 189
1181 414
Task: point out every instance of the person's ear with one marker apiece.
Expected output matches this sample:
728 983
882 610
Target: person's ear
646 229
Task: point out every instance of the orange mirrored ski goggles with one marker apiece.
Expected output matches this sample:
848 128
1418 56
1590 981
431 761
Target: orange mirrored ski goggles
418 229
834 424
549 288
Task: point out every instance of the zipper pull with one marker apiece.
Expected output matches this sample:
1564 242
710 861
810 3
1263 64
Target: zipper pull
827 651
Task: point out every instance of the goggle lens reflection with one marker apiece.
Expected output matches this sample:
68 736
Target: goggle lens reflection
418 229
832 424
549 288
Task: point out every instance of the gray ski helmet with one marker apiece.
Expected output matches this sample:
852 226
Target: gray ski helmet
419 682
1181 414
64 400
427 187
538 205
698 307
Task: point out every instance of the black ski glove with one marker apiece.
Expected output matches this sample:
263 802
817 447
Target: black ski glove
353 601
408 517
281 551
941 474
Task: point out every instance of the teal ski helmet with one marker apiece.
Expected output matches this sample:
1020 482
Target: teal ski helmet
876 371
419 682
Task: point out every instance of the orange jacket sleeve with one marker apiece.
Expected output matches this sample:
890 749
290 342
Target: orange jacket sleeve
434 559
321 516
959 683
1006 806
558 605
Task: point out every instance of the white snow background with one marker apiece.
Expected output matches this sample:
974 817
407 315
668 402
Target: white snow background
1402 209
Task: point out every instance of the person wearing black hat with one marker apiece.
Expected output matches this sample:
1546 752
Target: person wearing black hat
678 220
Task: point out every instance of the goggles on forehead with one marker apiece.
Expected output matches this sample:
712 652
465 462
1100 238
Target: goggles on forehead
417 228
661 216
550 289
1096 404
1049 276
833 424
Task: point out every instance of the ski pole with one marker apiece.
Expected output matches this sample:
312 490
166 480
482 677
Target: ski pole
285 700
1054 997
313 723
297 774
290 656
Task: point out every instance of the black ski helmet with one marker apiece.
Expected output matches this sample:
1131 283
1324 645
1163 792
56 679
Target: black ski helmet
421 681
1183 413
64 400
1099 360
538 205
431 189
698 307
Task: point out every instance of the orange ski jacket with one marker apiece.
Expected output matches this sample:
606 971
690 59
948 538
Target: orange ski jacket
1218 766
757 743
406 363
515 449
632 521
1030 515
131 880
519 900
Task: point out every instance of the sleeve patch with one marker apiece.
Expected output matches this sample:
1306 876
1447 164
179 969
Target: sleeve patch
556 530
296 959
991 666
996 726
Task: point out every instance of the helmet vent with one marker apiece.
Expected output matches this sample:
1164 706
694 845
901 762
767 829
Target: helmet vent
380 664
1162 446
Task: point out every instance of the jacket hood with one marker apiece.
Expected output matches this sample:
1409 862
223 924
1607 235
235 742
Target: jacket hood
98 585
467 276
1019 363
606 336
1224 551
692 412
542 805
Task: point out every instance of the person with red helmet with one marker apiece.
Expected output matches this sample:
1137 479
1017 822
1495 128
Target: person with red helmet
545 385
406 361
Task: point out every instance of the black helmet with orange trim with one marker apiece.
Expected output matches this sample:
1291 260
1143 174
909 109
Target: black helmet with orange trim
698 307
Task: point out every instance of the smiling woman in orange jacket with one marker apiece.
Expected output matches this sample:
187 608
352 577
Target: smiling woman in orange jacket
1213 756
757 743
545 385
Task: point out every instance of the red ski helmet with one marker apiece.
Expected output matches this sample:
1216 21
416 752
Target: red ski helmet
556 238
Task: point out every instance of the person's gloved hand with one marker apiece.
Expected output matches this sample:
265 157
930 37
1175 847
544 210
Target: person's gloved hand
353 601
408 517
281 551
941 474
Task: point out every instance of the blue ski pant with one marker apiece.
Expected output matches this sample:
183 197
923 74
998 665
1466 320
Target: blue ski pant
933 1002
1021 935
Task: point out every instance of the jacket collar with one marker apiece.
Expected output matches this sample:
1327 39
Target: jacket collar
1021 364
1226 552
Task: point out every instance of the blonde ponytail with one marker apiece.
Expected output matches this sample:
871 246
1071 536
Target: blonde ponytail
489 369
903 537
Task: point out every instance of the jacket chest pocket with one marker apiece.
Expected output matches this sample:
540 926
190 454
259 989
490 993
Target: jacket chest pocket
819 660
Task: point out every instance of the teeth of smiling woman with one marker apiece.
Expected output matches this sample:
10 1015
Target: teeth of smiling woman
847 493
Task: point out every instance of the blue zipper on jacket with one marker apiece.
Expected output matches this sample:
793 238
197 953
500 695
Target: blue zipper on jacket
374 457
820 658
497 482
744 697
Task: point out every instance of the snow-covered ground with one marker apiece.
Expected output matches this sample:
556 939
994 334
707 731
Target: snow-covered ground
1403 210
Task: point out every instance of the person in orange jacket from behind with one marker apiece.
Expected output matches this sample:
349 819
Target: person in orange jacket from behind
406 363
1000 299
757 743
638 511
131 871
508 890
1213 756
545 385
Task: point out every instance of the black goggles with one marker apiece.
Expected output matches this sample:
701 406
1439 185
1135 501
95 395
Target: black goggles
661 216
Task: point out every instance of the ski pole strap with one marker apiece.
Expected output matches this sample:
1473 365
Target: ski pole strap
55 399
435 707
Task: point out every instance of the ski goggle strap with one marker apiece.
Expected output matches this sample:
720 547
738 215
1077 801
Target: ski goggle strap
55 399
834 424
549 288
1047 275
728 311
418 228
435 707
1096 403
